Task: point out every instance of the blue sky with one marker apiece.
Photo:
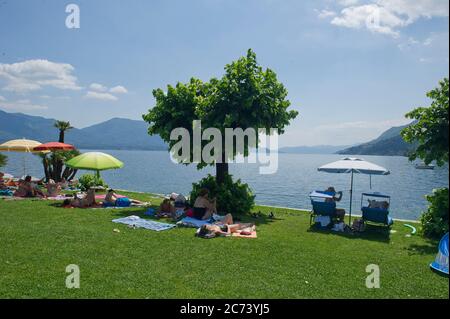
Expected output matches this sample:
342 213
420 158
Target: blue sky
352 68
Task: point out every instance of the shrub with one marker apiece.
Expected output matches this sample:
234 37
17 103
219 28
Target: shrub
3 160
435 219
87 181
232 197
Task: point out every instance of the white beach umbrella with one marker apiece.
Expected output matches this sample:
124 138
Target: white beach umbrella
353 165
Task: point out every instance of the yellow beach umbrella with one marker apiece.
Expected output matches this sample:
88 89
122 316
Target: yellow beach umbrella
22 146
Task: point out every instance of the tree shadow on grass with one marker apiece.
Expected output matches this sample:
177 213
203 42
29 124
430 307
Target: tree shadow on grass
429 248
371 233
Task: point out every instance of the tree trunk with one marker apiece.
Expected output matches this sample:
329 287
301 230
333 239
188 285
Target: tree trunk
71 177
61 136
221 172
46 172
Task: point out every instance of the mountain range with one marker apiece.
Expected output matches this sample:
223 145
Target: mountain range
389 143
126 134
116 133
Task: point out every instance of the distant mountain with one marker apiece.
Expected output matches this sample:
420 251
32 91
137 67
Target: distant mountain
389 143
319 149
116 133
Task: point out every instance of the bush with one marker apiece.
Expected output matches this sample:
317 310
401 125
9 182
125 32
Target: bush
232 197
87 181
435 219
3 160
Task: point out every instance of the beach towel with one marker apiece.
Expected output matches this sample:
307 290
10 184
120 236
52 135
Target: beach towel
59 197
138 222
251 230
6 192
193 222
101 197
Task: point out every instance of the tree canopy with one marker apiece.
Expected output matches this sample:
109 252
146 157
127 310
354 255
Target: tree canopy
431 126
245 97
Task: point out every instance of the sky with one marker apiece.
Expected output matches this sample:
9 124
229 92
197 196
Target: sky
352 68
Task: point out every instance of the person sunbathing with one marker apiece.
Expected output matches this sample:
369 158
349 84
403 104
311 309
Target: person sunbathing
53 189
204 207
220 229
28 189
87 201
112 199
3 185
166 209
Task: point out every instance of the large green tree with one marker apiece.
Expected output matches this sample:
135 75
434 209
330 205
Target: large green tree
430 130
245 97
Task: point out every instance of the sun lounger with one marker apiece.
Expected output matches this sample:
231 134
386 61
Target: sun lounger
320 207
376 215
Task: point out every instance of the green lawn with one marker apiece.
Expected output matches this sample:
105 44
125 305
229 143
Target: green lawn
38 240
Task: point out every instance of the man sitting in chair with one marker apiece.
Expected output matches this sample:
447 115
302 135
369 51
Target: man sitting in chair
340 213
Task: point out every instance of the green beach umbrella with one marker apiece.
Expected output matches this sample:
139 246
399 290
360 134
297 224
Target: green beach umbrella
94 161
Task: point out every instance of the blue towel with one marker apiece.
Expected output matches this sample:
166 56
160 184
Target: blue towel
193 222
143 223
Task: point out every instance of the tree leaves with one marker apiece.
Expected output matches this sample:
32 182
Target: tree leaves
245 97
431 127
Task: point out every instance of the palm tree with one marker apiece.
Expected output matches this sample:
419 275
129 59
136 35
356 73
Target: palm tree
54 163
62 126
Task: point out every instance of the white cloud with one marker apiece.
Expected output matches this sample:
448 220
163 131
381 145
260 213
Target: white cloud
347 3
119 89
21 105
323 14
413 10
100 96
2 98
388 16
33 75
98 87
371 16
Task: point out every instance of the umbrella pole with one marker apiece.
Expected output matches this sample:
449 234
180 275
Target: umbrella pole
351 199
24 164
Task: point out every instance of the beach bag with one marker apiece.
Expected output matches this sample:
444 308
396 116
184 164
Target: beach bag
123 202
358 225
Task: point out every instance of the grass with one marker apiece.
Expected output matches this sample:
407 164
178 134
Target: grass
288 260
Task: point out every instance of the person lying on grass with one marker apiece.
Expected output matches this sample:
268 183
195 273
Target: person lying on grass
204 207
215 230
88 201
112 199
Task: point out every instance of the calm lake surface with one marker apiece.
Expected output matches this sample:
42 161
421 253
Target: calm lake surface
297 176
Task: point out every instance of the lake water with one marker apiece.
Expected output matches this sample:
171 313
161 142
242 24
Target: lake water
297 176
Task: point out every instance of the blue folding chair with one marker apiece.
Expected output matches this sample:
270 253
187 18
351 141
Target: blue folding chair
320 207
379 216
